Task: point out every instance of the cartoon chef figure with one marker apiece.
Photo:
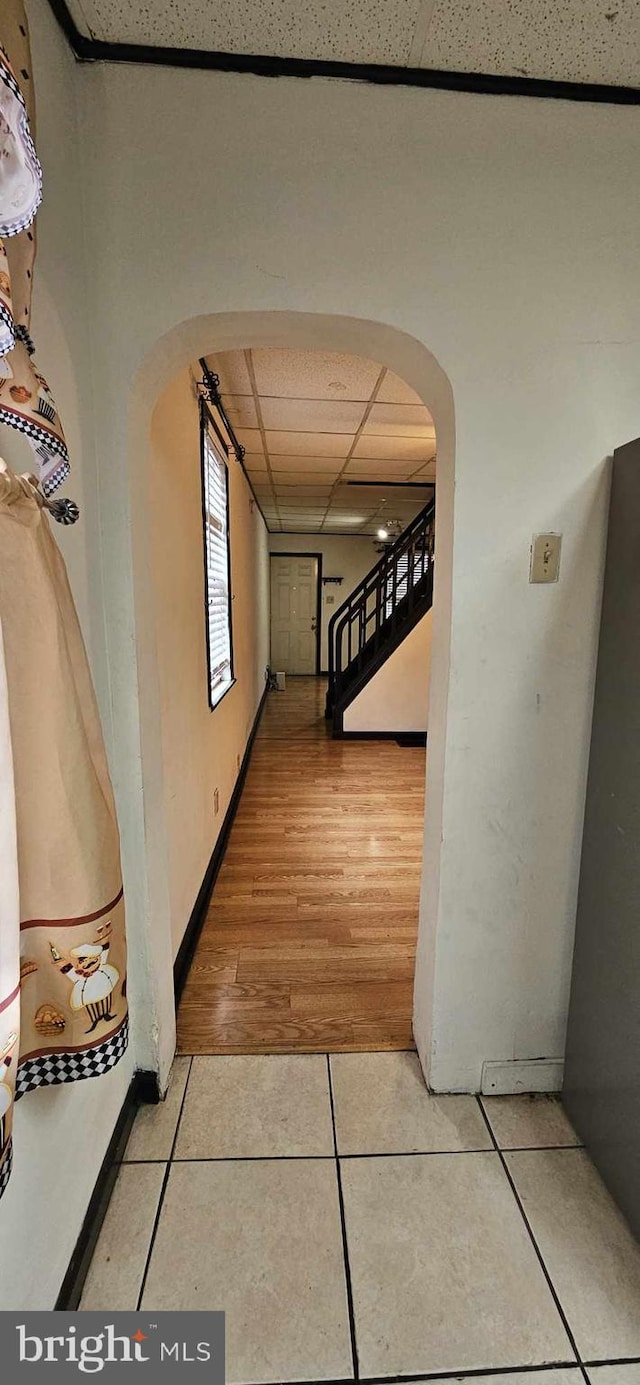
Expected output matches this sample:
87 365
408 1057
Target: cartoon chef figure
6 1093
93 979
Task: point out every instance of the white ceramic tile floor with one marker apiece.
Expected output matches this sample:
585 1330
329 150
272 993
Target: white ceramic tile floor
256 1106
383 1107
529 1122
414 1247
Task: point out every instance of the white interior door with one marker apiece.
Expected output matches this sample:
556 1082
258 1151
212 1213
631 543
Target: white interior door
294 607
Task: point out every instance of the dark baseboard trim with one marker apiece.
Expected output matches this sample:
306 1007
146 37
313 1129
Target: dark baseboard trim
263 65
199 912
142 1088
403 738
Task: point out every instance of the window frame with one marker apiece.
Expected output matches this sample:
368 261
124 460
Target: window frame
210 433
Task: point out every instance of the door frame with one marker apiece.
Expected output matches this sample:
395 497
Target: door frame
277 553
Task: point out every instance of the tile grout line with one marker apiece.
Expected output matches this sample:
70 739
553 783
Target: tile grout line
343 1224
368 1154
156 1220
478 1373
511 1181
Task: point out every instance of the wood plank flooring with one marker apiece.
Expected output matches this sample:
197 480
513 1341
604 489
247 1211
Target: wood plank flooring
309 943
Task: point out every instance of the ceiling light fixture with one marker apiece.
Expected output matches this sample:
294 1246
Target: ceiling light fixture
383 533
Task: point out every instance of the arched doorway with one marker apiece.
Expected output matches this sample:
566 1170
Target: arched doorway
415 364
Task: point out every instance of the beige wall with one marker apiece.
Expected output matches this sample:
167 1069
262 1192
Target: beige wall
397 697
201 749
508 264
350 557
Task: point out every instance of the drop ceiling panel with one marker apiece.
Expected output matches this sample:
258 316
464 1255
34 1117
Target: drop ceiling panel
309 444
241 410
414 450
292 374
413 497
311 415
400 420
251 439
373 31
425 473
364 469
577 40
313 467
306 474
306 493
231 367
312 427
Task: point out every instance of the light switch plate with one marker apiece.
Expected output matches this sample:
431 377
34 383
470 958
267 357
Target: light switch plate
545 557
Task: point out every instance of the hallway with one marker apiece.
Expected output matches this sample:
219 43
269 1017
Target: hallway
309 943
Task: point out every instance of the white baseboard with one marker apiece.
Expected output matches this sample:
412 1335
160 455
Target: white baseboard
509 1077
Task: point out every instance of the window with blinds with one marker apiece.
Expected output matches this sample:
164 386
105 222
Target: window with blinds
215 493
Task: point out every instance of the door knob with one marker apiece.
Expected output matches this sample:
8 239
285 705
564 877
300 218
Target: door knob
313 625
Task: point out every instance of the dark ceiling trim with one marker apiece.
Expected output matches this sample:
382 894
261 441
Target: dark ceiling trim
405 485
96 50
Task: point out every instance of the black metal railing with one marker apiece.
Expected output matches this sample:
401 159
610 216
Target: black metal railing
385 599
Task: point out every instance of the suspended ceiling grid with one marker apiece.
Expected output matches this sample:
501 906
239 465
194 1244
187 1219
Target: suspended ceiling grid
558 40
333 443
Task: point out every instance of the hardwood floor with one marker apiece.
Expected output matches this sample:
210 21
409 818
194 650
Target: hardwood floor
309 942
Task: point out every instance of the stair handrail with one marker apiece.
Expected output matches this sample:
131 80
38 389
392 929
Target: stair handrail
376 583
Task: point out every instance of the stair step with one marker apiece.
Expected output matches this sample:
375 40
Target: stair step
396 571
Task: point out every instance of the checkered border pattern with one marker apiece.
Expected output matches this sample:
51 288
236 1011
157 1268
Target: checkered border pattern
55 478
14 227
6 1165
52 1068
7 329
26 425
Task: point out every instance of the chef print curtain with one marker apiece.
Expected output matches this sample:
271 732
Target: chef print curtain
63 1007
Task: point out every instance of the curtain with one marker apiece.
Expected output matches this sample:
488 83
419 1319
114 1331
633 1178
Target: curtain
64 1017
9 933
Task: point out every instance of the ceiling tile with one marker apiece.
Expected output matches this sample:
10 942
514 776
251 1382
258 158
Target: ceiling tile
306 473
369 31
426 473
311 415
254 461
314 375
393 390
297 496
251 440
410 495
315 445
231 367
241 410
347 519
414 450
400 420
368 470
576 41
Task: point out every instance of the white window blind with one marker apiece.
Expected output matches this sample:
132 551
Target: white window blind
216 543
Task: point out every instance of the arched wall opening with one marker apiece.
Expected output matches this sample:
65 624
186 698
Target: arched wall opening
411 360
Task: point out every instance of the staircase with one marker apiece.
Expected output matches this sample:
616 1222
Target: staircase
379 613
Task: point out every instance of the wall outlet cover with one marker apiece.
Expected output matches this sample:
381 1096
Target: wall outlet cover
522 1075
